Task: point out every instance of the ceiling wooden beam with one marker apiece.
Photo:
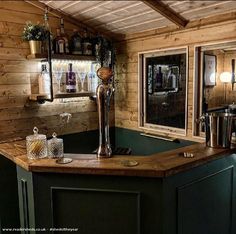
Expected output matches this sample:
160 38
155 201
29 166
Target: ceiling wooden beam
66 17
167 12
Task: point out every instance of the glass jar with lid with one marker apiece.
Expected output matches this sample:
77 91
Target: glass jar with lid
55 147
36 145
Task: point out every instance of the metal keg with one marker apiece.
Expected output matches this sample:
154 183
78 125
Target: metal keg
219 129
232 110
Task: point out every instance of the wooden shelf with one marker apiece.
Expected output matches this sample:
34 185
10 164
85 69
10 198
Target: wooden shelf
40 97
72 95
62 57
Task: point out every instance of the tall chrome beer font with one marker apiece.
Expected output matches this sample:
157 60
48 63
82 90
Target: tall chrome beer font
104 93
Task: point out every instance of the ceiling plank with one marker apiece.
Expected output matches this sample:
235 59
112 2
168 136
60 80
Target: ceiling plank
67 17
167 12
135 4
92 8
131 16
224 18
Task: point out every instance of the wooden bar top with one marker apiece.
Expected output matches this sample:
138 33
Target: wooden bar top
156 165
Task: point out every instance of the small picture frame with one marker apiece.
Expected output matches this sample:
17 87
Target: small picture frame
209 70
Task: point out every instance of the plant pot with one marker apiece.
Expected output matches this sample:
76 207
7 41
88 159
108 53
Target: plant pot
35 47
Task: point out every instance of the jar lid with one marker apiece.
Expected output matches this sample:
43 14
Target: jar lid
54 138
36 136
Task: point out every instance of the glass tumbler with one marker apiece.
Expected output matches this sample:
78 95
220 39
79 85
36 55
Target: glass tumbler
55 147
36 145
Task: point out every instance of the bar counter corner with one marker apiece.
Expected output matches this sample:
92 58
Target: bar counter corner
165 193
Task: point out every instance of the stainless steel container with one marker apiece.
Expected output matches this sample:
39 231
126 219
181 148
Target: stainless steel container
232 110
218 129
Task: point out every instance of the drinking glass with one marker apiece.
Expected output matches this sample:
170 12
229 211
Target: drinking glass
81 71
82 74
58 71
87 70
76 69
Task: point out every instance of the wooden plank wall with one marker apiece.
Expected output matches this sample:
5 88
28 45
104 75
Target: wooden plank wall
126 101
215 94
18 77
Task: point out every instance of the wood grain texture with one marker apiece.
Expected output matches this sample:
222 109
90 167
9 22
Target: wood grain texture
127 64
215 94
156 165
122 17
19 78
167 12
194 24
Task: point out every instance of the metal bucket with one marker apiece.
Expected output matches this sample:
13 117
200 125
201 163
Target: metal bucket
219 129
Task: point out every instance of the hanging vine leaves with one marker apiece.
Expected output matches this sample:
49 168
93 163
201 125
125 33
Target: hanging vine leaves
104 51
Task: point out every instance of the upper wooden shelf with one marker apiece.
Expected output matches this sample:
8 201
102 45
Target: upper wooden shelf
62 57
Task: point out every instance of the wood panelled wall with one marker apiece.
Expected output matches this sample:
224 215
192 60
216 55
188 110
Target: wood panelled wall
126 101
18 77
215 94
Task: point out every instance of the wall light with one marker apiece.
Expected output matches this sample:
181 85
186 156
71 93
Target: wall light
225 77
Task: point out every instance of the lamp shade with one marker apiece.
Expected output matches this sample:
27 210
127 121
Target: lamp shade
225 77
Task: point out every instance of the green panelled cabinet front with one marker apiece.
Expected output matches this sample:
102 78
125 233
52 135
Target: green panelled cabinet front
198 201
201 200
9 209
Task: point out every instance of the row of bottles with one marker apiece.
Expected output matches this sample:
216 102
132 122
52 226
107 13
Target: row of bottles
166 80
86 72
77 44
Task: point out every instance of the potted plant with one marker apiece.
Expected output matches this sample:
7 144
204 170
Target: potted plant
35 34
104 52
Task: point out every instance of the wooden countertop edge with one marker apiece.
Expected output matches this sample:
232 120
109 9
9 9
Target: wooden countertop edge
99 171
157 165
200 162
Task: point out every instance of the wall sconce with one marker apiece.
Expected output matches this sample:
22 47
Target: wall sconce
225 77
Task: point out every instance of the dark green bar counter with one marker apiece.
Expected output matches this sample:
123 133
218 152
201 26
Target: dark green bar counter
164 194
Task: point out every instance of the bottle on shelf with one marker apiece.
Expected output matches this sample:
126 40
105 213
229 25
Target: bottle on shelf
87 44
65 36
70 80
76 42
48 28
59 43
44 81
159 79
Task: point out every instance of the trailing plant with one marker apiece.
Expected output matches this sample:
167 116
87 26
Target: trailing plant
35 32
104 51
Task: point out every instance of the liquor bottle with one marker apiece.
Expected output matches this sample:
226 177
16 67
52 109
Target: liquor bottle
87 44
172 79
59 43
76 43
44 81
159 77
49 38
70 80
65 37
